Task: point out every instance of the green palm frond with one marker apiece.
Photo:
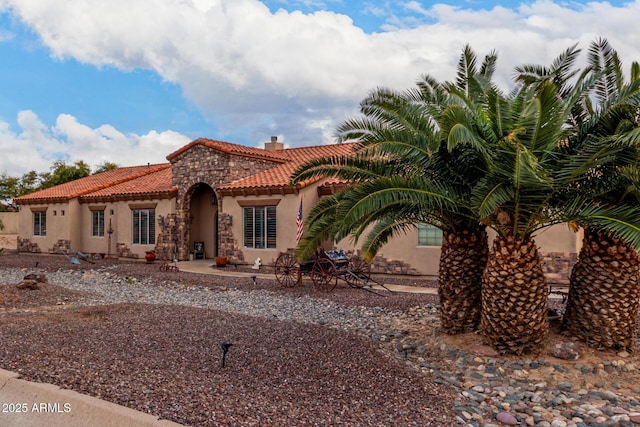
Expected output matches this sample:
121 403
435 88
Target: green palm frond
560 73
356 167
622 220
604 60
396 192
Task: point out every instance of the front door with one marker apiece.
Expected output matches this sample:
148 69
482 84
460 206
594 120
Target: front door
204 220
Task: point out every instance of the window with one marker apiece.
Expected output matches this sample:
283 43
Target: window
428 235
260 227
144 228
40 223
97 223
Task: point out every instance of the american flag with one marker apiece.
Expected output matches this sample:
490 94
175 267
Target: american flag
299 224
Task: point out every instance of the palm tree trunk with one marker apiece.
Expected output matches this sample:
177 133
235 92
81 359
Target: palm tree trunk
514 297
604 293
463 258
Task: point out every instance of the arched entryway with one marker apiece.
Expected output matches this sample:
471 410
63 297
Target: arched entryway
203 219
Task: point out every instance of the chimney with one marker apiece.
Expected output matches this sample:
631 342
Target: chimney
273 144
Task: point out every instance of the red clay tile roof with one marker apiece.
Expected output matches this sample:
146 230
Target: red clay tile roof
154 185
154 181
229 148
277 178
138 179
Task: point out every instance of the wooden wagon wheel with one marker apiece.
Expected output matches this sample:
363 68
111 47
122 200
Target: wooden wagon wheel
324 275
287 270
358 272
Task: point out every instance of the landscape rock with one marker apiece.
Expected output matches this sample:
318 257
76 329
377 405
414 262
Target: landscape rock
566 351
483 350
37 277
28 284
507 418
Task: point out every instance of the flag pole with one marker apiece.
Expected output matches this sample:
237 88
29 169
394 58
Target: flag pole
299 232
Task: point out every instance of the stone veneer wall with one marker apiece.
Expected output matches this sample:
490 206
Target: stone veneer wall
26 245
204 165
125 251
380 265
227 244
166 243
557 266
61 246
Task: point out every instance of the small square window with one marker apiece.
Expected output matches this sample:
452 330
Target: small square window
428 235
62 212
55 213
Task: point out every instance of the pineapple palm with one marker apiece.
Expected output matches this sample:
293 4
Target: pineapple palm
521 133
592 158
405 175
527 175
604 291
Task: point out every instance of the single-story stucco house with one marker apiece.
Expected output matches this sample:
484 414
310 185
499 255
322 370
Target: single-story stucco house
233 198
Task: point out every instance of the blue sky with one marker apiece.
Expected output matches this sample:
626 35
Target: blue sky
130 82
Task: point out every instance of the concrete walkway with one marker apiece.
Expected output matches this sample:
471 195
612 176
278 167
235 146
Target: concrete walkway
30 404
207 266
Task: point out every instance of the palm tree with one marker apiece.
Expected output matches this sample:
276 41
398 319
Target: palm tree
521 133
403 174
604 292
531 183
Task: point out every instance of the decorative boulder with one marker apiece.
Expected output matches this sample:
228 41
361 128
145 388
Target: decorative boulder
566 351
28 284
38 277
32 281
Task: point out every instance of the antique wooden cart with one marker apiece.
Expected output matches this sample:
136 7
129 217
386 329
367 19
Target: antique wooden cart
324 269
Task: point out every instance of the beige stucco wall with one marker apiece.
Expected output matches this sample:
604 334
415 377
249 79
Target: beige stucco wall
10 222
97 244
58 224
286 213
559 238
72 221
404 248
425 259
120 216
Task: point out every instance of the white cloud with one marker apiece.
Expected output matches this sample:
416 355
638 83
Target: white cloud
36 146
246 67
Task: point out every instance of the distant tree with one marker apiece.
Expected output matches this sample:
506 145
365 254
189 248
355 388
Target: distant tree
11 187
104 167
8 190
62 173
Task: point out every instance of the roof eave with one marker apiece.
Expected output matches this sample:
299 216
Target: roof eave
259 191
41 200
124 197
331 189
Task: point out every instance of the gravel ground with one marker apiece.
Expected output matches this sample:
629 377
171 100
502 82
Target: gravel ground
151 340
